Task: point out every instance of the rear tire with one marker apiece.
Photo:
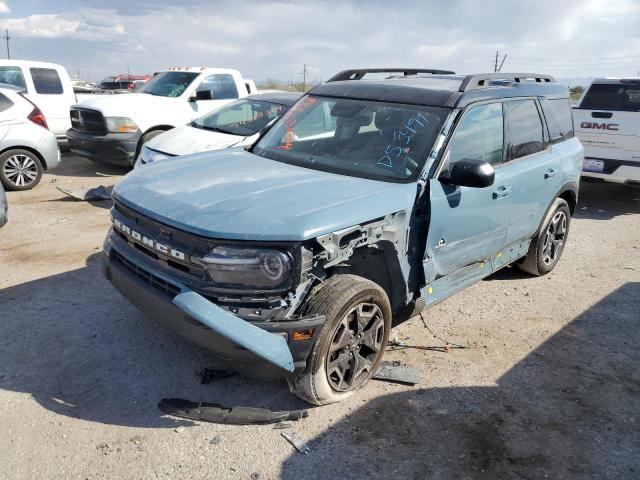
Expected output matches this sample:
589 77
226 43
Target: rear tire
20 169
352 340
548 243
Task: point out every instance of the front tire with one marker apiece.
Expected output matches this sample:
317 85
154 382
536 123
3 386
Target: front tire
352 341
548 244
20 170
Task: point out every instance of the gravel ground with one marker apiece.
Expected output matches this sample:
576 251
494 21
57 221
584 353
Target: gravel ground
548 386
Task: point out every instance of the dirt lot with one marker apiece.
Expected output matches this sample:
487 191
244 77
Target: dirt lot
549 386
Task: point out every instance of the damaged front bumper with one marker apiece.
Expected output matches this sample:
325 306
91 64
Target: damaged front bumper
264 349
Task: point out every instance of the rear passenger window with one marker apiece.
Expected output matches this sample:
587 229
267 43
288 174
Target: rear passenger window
46 81
525 129
5 103
561 109
222 85
479 135
12 76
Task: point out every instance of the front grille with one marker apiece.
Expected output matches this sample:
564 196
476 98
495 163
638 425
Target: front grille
87 120
149 278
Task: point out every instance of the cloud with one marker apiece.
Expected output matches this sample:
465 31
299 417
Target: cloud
90 24
4 8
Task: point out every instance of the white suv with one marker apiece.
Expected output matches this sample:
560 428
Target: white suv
607 122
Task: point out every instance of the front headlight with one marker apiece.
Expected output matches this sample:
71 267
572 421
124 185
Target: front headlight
247 267
120 125
147 155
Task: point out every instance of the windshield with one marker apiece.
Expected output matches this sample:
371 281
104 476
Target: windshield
243 117
168 84
360 138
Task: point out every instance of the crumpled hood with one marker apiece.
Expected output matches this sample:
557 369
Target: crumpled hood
128 104
234 194
185 140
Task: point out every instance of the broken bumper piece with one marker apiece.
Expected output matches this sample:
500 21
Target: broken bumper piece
213 412
268 346
263 349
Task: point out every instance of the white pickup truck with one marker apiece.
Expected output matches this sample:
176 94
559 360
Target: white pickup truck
607 122
112 129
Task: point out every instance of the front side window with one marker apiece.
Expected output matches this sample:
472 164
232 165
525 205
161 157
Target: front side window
244 117
360 138
222 85
479 135
46 81
525 129
168 84
12 76
616 97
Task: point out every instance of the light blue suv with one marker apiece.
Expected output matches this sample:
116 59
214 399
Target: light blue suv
370 200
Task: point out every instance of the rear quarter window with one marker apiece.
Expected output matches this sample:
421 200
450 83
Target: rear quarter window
46 81
5 103
561 110
612 97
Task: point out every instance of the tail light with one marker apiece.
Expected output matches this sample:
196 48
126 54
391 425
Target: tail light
36 115
130 85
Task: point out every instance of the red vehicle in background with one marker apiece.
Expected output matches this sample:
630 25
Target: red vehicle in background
124 82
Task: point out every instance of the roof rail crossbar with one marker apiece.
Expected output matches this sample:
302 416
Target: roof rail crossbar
474 82
357 74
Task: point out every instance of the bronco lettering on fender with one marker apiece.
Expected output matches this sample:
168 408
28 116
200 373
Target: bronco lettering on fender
599 126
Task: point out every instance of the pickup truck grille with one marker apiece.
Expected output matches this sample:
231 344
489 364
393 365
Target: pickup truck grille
87 120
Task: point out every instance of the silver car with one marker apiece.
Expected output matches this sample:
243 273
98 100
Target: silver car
27 146
3 207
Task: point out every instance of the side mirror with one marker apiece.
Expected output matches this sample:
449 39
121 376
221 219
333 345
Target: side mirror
470 173
204 95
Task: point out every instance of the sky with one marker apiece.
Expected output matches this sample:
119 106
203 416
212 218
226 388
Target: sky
570 39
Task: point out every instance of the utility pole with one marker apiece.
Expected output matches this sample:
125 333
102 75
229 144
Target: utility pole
7 38
495 65
304 77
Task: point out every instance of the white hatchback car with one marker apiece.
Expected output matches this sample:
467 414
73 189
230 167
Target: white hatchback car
27 147
235 124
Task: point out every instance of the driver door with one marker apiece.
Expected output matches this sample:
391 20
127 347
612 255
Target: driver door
223 89
467 226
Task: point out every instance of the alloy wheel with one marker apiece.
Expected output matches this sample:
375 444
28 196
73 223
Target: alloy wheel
355 347
20 170
554 238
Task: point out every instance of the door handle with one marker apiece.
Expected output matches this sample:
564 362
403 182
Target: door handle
502 192
550 173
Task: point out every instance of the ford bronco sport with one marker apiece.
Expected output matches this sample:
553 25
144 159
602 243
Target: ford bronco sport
368 201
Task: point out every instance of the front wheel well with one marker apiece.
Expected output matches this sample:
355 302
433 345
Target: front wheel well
157 128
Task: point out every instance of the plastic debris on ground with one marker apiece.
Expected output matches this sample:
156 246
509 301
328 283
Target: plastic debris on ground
398 373
87 194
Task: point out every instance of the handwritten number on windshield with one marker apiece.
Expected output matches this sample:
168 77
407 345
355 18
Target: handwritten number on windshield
403 136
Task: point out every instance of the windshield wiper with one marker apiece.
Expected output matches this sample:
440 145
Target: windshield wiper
213 129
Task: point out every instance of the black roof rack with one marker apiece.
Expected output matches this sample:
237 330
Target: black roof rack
357 74
482 80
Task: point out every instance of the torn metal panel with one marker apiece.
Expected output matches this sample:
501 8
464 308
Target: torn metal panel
297 441
268 346
397 372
